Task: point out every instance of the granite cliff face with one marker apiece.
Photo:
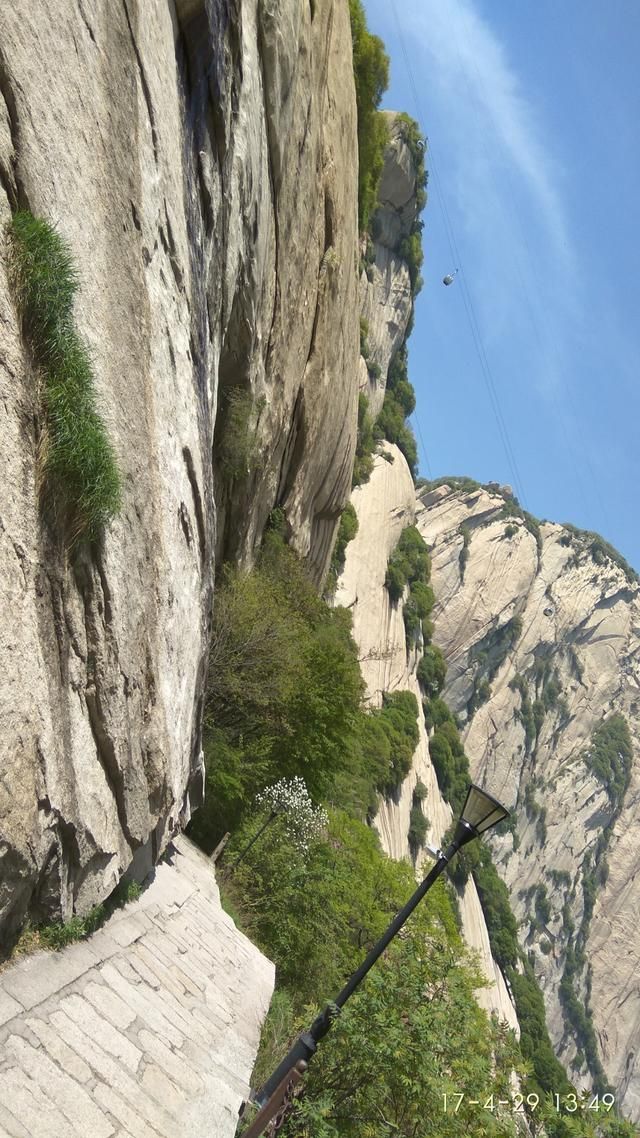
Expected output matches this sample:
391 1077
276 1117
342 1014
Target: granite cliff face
199 160
540 626
385 506
386 300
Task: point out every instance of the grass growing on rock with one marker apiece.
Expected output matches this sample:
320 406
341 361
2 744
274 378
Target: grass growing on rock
79 477
57 935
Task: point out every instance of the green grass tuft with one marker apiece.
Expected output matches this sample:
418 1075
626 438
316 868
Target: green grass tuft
79 477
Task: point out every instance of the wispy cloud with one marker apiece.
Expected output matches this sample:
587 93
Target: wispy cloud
471 76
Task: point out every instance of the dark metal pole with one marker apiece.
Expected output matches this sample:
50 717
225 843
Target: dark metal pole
306 1044
241 857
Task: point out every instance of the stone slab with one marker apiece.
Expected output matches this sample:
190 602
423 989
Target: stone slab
137 1032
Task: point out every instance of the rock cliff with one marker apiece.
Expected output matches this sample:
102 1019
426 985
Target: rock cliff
386 505
540 626
199 160
386 299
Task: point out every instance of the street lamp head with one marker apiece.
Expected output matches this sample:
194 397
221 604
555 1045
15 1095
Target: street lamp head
480 812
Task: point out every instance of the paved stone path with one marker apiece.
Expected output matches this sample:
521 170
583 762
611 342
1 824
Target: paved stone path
149 1029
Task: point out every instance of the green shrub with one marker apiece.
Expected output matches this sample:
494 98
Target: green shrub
392 1052
480 694
416 611
416 141
410 564
610 757
284 689
347 530
510 530
410 250
81 487
399 403
436 712
418 829
365 444
399 719
235 447
432 670
391 425
364 338
398 380
371 73
412 623
423 597
465 532
542 904
600 550
530 721
534 1036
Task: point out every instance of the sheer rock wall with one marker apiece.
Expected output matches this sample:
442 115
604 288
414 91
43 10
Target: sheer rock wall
385 506
580 615
385 287
199 159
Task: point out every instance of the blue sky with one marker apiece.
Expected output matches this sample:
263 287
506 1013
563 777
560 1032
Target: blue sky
527 369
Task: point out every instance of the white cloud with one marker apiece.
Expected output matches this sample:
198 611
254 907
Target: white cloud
481 95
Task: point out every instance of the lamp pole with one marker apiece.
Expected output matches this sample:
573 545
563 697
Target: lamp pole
480 812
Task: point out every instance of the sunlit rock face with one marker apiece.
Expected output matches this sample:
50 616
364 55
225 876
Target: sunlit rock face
385 287
201 163
541 634
385 506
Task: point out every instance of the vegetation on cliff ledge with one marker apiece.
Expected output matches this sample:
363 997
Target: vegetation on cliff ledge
285 699
79 477
452 770
409 567
371 73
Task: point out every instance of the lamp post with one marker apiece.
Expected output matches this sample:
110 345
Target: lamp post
480 812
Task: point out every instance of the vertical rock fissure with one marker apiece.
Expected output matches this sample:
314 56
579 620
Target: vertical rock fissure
143 81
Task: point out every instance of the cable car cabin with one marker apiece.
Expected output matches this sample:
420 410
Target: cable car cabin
449 279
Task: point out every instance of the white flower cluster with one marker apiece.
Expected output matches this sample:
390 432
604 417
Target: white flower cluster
304 823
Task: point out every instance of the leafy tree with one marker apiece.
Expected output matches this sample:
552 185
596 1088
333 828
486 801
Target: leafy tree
610 756
284 689
371 73
391 425
418 829
393 1054
342 893
436 712
347 530
410 564
432 670
398 717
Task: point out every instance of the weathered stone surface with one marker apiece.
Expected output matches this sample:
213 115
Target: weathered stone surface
582 616
398 208
386 304
296 351
200 161
104 1049
385 288
385 506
